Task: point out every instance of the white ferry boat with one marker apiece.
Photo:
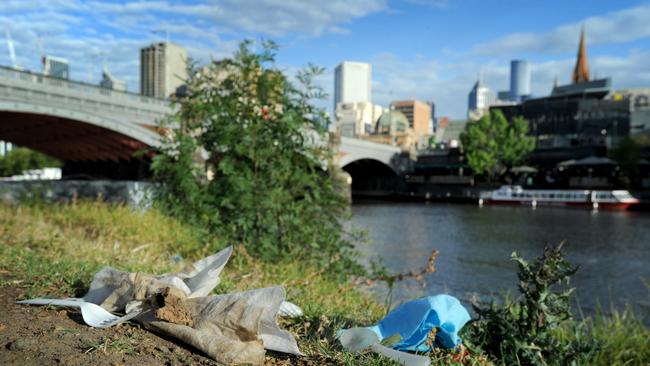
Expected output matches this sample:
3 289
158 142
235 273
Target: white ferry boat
594 199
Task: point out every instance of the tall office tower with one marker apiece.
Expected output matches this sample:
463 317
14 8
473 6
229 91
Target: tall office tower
110 82
479 100
163 68
352 83
56 66
519 79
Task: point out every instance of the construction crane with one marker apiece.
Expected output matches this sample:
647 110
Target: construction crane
12 52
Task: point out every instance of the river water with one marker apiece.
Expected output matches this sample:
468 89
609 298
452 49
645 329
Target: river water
612 249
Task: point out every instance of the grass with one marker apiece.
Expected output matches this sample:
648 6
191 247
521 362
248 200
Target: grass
620 338
106 344
53 251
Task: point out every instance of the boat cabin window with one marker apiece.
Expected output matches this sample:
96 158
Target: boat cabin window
622 195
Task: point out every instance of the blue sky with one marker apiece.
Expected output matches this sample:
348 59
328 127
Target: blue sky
423 49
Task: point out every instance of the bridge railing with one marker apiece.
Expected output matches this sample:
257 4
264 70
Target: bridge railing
37 78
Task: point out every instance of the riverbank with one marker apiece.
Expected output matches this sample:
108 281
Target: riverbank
53 250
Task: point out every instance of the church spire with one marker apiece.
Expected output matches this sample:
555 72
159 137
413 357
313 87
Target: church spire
581 71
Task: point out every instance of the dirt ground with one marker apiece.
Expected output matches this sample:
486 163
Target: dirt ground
39 335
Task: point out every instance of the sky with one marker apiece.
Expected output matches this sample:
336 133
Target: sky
430 50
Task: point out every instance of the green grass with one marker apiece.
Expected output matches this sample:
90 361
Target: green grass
620 338
53 251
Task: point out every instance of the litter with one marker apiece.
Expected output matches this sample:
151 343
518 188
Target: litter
92 314
358 339
230 328
421 324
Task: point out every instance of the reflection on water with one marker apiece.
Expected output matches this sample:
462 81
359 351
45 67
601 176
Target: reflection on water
612 248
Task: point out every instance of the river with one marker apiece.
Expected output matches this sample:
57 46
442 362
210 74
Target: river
612 249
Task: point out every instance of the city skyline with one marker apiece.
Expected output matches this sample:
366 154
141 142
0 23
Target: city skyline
418 49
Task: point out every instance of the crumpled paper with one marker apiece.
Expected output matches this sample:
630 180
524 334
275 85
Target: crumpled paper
231 328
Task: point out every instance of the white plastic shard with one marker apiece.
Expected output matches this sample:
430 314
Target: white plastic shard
290 310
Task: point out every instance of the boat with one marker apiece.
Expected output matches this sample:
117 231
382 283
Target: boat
592 199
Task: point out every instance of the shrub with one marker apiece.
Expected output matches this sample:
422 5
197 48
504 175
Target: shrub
247 160
521 331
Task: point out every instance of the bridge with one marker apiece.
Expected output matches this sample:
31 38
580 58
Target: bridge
90 126
75 121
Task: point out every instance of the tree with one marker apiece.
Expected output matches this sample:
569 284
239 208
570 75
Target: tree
628 151
262 144
20 159
493 145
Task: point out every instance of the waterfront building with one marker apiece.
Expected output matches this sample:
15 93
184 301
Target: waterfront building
519 80
352 83
392 128
419 116
503 95
357 119
479 100
584 118
56 67
163 69
110 82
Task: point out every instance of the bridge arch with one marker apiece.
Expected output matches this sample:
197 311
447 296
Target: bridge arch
371 177
72 135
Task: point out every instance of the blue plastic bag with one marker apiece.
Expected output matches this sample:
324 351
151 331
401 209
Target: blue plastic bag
414 320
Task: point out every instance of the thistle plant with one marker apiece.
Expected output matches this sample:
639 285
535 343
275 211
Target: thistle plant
522 331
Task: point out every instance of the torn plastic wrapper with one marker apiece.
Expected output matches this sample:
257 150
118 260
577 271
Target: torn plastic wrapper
231 328
113 289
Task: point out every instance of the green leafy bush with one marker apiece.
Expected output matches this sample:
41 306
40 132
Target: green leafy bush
522 331
20 159
247 160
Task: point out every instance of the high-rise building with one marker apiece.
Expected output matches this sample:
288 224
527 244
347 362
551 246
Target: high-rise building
352 83
56 67
163 68
357 119
110 82
479 100
519 80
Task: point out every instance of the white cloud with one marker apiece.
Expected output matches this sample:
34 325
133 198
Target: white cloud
616 27
90 33
270 17
447 84
438 4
